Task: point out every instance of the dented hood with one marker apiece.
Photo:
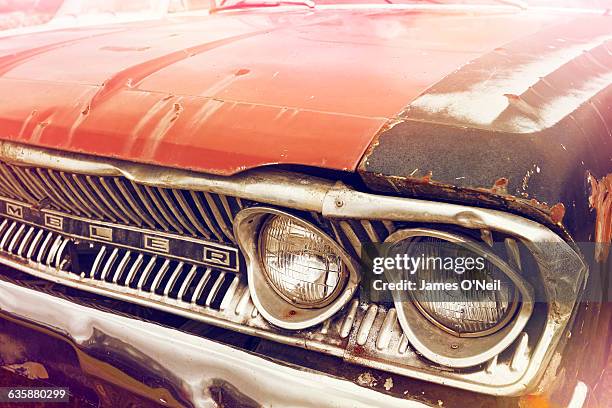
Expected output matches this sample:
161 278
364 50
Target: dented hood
238 90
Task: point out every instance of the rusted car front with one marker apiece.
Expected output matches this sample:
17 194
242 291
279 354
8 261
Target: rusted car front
187 205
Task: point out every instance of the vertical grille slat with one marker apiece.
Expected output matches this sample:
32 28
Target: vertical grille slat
15 238
53 250
62 187
122 265
37 239
5 186
190 214
175 211
200 286
60 259
25 179
187 283
84 187
118 201
25 241
163 270
109 263
101 193
173 278
218 217
97 262
214 289
29 174
146 272
53 193
132 202
129 279
162 209
44 247
11 182
78 195
206 215
150 207
7 235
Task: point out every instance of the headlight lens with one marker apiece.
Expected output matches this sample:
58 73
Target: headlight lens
482 307
300 265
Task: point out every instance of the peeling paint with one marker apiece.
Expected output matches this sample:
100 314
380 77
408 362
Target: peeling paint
601 201
367 380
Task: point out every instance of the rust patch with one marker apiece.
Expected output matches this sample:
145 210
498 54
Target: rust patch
477 196
500 186
557 212
601 201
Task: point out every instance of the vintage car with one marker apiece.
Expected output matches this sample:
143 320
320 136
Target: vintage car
187 204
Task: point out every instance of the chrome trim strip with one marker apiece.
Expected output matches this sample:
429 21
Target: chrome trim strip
270 187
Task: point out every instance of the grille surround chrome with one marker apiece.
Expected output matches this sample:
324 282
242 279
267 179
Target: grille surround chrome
275 309
354 335
470 351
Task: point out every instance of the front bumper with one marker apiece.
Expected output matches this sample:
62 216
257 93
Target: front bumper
164 365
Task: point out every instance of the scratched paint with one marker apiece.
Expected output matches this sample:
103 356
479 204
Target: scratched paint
255 89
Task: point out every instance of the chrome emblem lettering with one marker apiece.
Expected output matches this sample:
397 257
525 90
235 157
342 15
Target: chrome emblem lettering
217 256
156 244
14 210
53 221
103 233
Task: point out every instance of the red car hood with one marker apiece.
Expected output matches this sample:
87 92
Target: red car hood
233 91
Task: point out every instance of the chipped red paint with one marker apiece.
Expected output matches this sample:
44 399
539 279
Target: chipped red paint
238 90
601 201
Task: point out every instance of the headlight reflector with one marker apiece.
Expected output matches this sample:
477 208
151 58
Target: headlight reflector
300 264
467 313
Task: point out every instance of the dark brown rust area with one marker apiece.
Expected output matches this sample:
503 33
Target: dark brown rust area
540 175
601 201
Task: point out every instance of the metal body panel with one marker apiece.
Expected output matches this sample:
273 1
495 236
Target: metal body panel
235 90
520 128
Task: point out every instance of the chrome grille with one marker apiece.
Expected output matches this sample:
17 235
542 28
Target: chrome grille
137 272
364 333
120 200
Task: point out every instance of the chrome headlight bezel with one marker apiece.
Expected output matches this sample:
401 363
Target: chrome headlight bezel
444 347
274 307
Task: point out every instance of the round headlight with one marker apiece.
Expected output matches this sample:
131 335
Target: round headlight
464 302
299 262
464 292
